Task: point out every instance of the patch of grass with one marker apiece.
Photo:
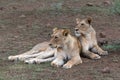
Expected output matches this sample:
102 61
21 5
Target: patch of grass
87 9
58 8
21 71
54 7
5 21
116 7
3 73
112 47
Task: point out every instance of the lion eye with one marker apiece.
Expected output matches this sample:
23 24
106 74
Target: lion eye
82 24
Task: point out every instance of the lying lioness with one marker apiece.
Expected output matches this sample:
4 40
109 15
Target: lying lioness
87 36
68 47
62 46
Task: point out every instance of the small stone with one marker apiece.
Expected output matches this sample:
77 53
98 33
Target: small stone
89 4
14 7
108 78
3 51
106 70
107 2
28 25
102 35
2 27
48 25
16 36
1 8
22 16
21 26
115 60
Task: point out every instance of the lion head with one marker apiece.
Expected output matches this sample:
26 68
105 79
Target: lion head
83 25
58 38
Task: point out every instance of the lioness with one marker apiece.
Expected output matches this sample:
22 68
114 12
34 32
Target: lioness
68 47
62 46
87 36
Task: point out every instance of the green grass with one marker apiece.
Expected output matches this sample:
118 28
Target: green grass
94 9
112 47
21 71
58 8
116 7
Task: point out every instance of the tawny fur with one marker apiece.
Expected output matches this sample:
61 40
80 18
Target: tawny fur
38 54
68 47
87 36
61 46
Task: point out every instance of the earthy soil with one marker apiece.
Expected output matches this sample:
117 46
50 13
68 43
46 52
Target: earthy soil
24 23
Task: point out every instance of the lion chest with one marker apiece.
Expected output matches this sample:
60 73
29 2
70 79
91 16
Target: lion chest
69 51
87 41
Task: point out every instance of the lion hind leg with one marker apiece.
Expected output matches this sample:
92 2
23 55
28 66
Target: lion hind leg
13 58
41 55
35 50
22 57
17 57
46 54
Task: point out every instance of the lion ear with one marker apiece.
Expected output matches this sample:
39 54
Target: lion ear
89 20
66 32
54 29
77 20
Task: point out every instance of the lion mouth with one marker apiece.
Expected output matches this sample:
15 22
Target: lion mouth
77 34
53 47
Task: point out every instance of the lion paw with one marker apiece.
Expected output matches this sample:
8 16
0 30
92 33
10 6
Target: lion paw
57 63
13 58
67 66
104 53
96 56
31 61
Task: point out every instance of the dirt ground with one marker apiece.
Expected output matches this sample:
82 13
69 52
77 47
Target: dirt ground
24 23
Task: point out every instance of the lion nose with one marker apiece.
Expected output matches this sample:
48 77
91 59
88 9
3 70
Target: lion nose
50 44
76 29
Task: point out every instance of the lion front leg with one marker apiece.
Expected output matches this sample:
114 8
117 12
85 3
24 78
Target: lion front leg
98 50
87 53
91 55
38 61
73 61
57 62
